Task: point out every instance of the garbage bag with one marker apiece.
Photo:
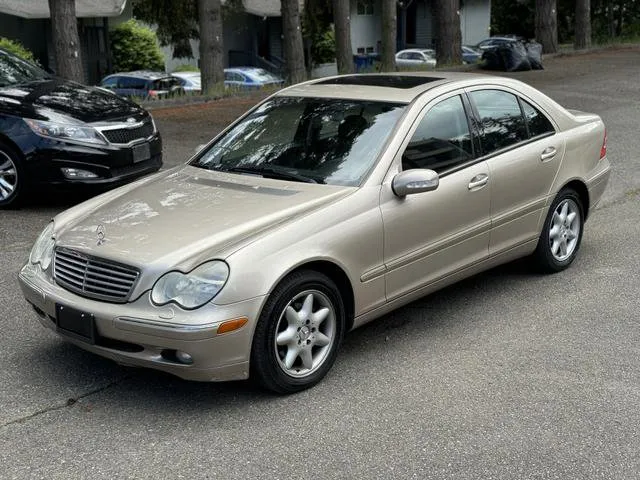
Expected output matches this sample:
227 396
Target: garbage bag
491 60
534 54
514 57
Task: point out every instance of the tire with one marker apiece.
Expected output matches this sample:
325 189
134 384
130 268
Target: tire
12 179
294 345
561 233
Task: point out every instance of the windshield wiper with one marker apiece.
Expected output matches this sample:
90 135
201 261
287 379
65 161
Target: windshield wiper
270 172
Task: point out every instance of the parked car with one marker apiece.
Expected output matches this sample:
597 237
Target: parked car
153 85
190 81
250 78
58 133
326 206
415 57
470 55
493 42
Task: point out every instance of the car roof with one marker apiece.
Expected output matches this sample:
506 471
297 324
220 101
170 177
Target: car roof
418 50
141 74
390 87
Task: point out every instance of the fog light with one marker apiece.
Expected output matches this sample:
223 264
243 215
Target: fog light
184 357
75 173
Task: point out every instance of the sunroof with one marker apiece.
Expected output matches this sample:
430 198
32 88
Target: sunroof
392 81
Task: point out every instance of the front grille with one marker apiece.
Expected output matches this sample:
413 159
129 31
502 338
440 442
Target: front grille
93 277
126 135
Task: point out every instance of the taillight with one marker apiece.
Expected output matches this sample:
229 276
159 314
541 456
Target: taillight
603 149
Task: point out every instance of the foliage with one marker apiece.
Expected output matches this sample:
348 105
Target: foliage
323 50
177 21
317 31
609 20
17 49
135 47
185 67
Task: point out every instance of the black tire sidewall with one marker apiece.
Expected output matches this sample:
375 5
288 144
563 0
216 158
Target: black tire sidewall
264 364
545 259
14 199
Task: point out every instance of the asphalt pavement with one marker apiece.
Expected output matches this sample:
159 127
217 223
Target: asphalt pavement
507 375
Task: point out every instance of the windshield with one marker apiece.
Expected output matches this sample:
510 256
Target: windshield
14 71
330 141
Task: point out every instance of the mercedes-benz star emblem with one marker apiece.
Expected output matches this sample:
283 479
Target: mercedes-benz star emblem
100 231
131 120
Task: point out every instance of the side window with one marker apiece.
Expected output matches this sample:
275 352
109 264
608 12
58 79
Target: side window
501 119
133 83
536 121
110 82
442 139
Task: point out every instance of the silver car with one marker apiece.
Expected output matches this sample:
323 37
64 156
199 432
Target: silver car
418 58
328 205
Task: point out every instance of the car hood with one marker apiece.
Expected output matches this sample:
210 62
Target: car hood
187 215
47 99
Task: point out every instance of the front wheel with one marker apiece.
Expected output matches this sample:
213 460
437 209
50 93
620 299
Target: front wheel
11 178
561 234
298 334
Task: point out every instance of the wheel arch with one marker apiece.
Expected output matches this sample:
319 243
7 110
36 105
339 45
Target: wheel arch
339 277
5 140
583 192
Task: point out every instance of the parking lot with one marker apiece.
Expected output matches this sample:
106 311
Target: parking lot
506 375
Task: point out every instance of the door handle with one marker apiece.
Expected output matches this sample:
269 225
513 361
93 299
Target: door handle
478 181
548 153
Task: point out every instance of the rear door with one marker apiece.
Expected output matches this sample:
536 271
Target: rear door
523 151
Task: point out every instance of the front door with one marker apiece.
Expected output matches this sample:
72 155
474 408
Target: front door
430 235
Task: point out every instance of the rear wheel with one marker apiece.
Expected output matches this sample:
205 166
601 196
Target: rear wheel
298 334
561 234
11 178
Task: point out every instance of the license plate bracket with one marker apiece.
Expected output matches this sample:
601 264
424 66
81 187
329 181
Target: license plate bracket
141 152
75 324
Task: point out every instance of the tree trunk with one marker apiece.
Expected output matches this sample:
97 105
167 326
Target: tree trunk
292 41
389 33
211 52
342 25
448 34
583 25
546 20
66 42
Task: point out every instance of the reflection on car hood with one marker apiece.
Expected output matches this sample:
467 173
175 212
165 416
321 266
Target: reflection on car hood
183 214
88 104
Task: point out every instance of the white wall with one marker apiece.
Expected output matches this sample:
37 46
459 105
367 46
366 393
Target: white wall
475 19
366 30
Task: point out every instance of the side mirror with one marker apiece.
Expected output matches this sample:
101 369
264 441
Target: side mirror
415 181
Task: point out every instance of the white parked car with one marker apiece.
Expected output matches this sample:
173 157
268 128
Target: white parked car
190 81
416 57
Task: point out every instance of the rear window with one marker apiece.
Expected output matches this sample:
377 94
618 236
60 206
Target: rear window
166 83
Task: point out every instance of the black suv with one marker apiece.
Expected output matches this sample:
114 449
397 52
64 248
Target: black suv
60 133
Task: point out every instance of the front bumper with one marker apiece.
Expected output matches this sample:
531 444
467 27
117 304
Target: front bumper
141 334
113 165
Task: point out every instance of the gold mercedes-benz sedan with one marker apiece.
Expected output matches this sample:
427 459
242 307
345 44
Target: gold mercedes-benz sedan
327 205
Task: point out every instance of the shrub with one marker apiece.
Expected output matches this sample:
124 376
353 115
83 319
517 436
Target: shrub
323 49
135 47
17 49
186 68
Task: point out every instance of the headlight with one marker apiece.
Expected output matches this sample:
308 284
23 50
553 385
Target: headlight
42 250
191 290
61 131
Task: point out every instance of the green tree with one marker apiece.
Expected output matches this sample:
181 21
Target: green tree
135 47
17 49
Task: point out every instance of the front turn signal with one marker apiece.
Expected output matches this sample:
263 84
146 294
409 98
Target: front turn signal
232 325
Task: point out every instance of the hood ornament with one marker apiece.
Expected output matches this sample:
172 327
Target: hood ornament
100 232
